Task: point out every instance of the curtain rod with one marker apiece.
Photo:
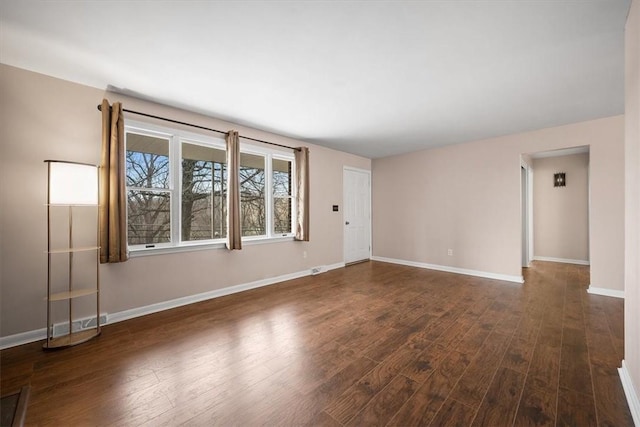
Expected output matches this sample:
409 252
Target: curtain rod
201 127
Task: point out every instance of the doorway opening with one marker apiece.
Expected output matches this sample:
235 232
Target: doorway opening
555 206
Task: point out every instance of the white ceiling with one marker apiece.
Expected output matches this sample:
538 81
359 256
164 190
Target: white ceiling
372 78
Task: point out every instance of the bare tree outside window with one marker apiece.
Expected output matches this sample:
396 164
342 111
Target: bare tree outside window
252 195
282 196
203 193
176 189
149 199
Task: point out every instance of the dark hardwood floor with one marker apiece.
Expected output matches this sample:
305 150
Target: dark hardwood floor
370 344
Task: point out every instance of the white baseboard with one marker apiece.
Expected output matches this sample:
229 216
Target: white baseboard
562 260
22 338
630 392
217 293
605 292
40 334
486 275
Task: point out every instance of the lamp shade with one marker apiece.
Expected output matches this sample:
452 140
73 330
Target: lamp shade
72 183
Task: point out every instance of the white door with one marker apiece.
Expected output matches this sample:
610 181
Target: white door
357 215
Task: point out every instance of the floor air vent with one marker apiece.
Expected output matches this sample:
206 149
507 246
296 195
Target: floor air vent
318 270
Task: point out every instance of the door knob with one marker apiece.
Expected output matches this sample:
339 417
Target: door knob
346 223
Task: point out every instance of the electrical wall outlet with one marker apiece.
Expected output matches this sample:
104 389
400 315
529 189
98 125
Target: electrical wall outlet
450 252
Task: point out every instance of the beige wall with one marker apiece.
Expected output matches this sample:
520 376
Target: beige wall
561 214
467 197
41 118
632 211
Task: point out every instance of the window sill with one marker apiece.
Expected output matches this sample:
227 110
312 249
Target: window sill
140 252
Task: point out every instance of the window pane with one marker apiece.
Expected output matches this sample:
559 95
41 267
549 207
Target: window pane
149 217
203 193
282 215
281 196
147 161
281 178
252 195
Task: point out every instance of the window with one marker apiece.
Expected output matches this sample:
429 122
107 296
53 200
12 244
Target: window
282 196
204 198
176 187
253 208
149 193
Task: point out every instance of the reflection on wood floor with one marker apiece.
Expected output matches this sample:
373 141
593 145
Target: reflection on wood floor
370 344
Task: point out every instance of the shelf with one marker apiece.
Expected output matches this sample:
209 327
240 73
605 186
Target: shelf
72 294
71 339
79 249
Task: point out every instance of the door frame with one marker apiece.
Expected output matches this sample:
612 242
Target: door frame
344 198
526 215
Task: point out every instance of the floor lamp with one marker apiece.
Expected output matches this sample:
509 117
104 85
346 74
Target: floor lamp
71 186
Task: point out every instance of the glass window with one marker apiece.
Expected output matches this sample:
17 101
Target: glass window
177 195
282 196
204 209
148 195
252 195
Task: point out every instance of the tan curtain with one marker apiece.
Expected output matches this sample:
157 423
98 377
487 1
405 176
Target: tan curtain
302 201
234 232
113 201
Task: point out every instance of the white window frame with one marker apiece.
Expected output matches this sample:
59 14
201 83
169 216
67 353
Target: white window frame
293 197
158 133
189 138
270 154
176 138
